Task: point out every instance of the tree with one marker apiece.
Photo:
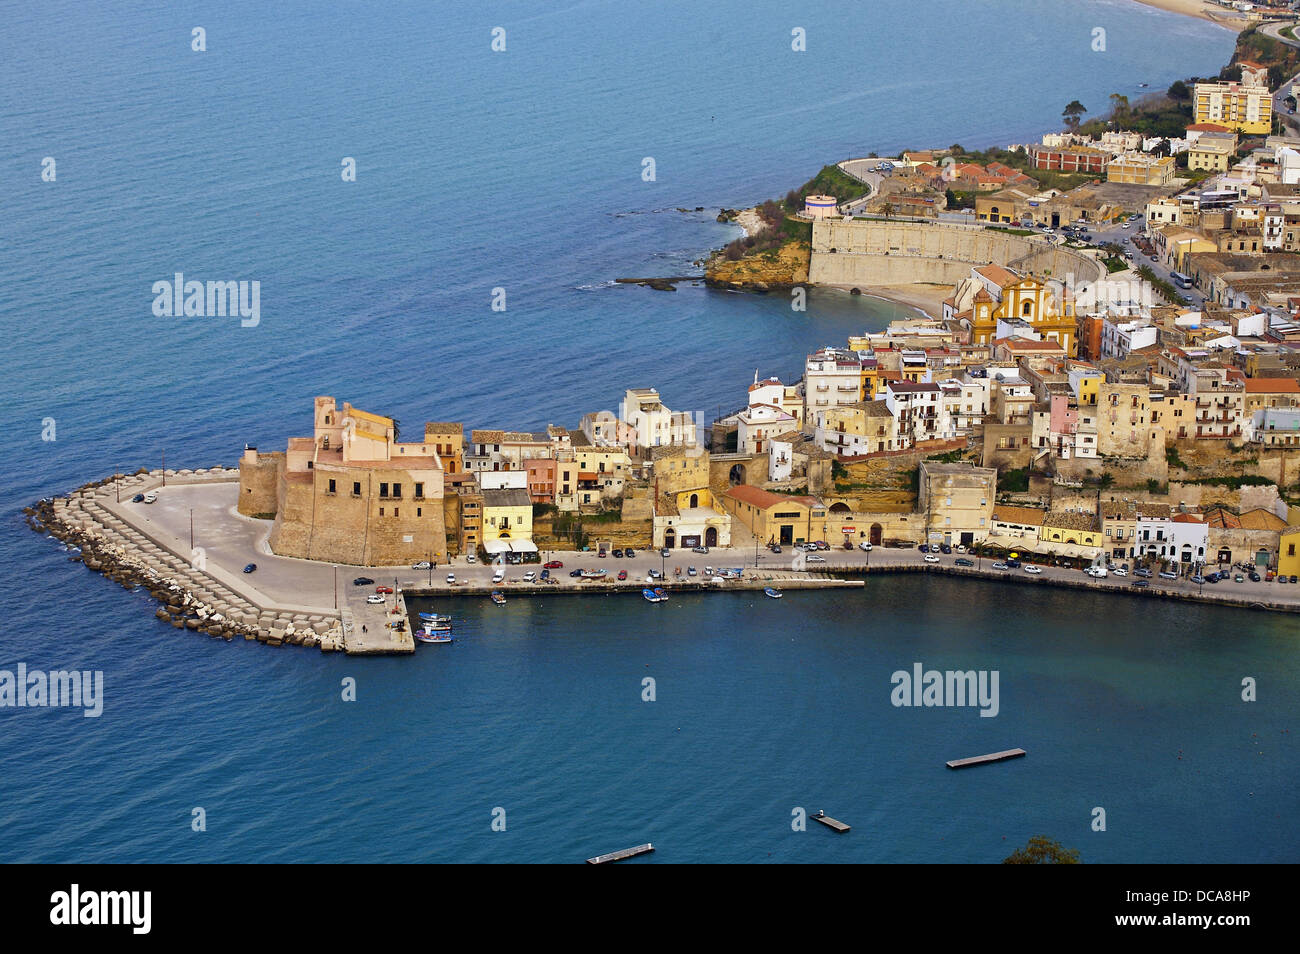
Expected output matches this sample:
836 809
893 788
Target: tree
1042 850
1072 113
950 199
1179 91
888 210
1118 105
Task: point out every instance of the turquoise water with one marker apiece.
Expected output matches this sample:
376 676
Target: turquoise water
522 170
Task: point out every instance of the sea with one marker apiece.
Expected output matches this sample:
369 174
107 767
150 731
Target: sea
511 160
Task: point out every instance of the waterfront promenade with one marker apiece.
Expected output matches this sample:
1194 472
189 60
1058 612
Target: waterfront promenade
201 586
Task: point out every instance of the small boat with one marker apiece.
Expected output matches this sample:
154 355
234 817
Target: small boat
656 595
434 618
426 636
772 592
498 598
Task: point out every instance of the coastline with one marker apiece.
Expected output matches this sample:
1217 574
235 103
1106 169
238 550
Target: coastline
1201 10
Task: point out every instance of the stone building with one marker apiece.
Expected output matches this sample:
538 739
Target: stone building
957 500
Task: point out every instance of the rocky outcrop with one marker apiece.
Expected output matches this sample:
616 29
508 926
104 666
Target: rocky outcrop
785 267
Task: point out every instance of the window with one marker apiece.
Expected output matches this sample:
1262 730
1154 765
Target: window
383 490
419 490
419 511
332 488
381 511
356 488
397 490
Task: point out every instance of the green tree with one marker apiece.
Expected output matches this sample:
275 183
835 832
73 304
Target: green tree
888 210
1072 113
1042 850
1179 91
1118 105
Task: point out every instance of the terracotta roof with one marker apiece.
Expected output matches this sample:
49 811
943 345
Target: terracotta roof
1021 516
763 499
998 275
1272 386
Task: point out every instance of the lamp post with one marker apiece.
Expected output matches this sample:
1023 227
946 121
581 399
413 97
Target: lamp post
336 586
191 529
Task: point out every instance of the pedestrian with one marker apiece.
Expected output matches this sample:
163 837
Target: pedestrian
363 628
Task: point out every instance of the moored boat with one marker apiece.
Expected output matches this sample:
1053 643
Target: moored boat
434 618
498 598
428 636
656 595
772 592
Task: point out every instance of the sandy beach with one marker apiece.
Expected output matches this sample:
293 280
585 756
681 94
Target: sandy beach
924 297
749 220
1202 10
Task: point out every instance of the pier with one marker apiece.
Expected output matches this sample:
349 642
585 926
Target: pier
831 823
620 855
985 759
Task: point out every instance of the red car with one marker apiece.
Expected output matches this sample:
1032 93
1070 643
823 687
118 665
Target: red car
622 574
554 565
383 589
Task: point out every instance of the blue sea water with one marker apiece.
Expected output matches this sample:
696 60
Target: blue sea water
522 170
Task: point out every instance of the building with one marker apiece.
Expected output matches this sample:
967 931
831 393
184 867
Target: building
1140 168
1070 158
993 293
352 493
1273 427
777 518
448 440
1177 537
1246 109
832 377
1288 553
856 430
1076 534
507 522
652 423
820 206
1212 154
957 501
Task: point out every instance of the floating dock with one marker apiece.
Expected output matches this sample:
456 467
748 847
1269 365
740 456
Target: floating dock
983 759
620 855
831 822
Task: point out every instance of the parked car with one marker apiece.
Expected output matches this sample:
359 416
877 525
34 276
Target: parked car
699 550
931 558
1239 579
622 574
655 575
384 589
554 565
470 558
617 554
1284 579
944 548
1198 579
960 548
1168 575
665 553
629 553
775 548
815 558
1013 563
690 571
1097 572
150 497
1139 583
451 577
546 575
962 561
375 598
138 498
1000 566
1294 578
1254 578
865 546
575 573
1142 572
924 548
363 581
499 576
1030 568
601 554
251 567
422 565
1120 571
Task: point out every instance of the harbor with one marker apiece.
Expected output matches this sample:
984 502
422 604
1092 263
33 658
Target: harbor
187 549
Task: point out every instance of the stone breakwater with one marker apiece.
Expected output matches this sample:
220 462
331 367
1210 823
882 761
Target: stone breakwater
189 598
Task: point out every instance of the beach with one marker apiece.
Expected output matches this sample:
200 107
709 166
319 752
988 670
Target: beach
1201 10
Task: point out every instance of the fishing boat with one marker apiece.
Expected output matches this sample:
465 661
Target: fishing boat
772 592
434 618
430 636
656 595
498 598
593 574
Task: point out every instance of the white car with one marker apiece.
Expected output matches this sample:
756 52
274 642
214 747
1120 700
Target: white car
1099 572
375 598
1125 225
960 548
422 565
151 496
451 577
530 576
470 558
814 558
1030 568
931 558
1120 571
864 546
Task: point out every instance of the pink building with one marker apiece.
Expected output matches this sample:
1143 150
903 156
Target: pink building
541 478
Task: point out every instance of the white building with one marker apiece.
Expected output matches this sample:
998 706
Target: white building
1180 537
832 377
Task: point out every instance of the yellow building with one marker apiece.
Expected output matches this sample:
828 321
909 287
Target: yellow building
1247 109
1071 534
777 518
1137 168
1008 297
957 500
507 515
448 440
1214 155
1288 553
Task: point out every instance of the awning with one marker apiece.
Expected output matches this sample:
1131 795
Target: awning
493 547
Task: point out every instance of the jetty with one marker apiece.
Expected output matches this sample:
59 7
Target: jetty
620 855
985 759
831 823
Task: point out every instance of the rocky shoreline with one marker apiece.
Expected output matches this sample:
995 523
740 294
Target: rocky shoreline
188 598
